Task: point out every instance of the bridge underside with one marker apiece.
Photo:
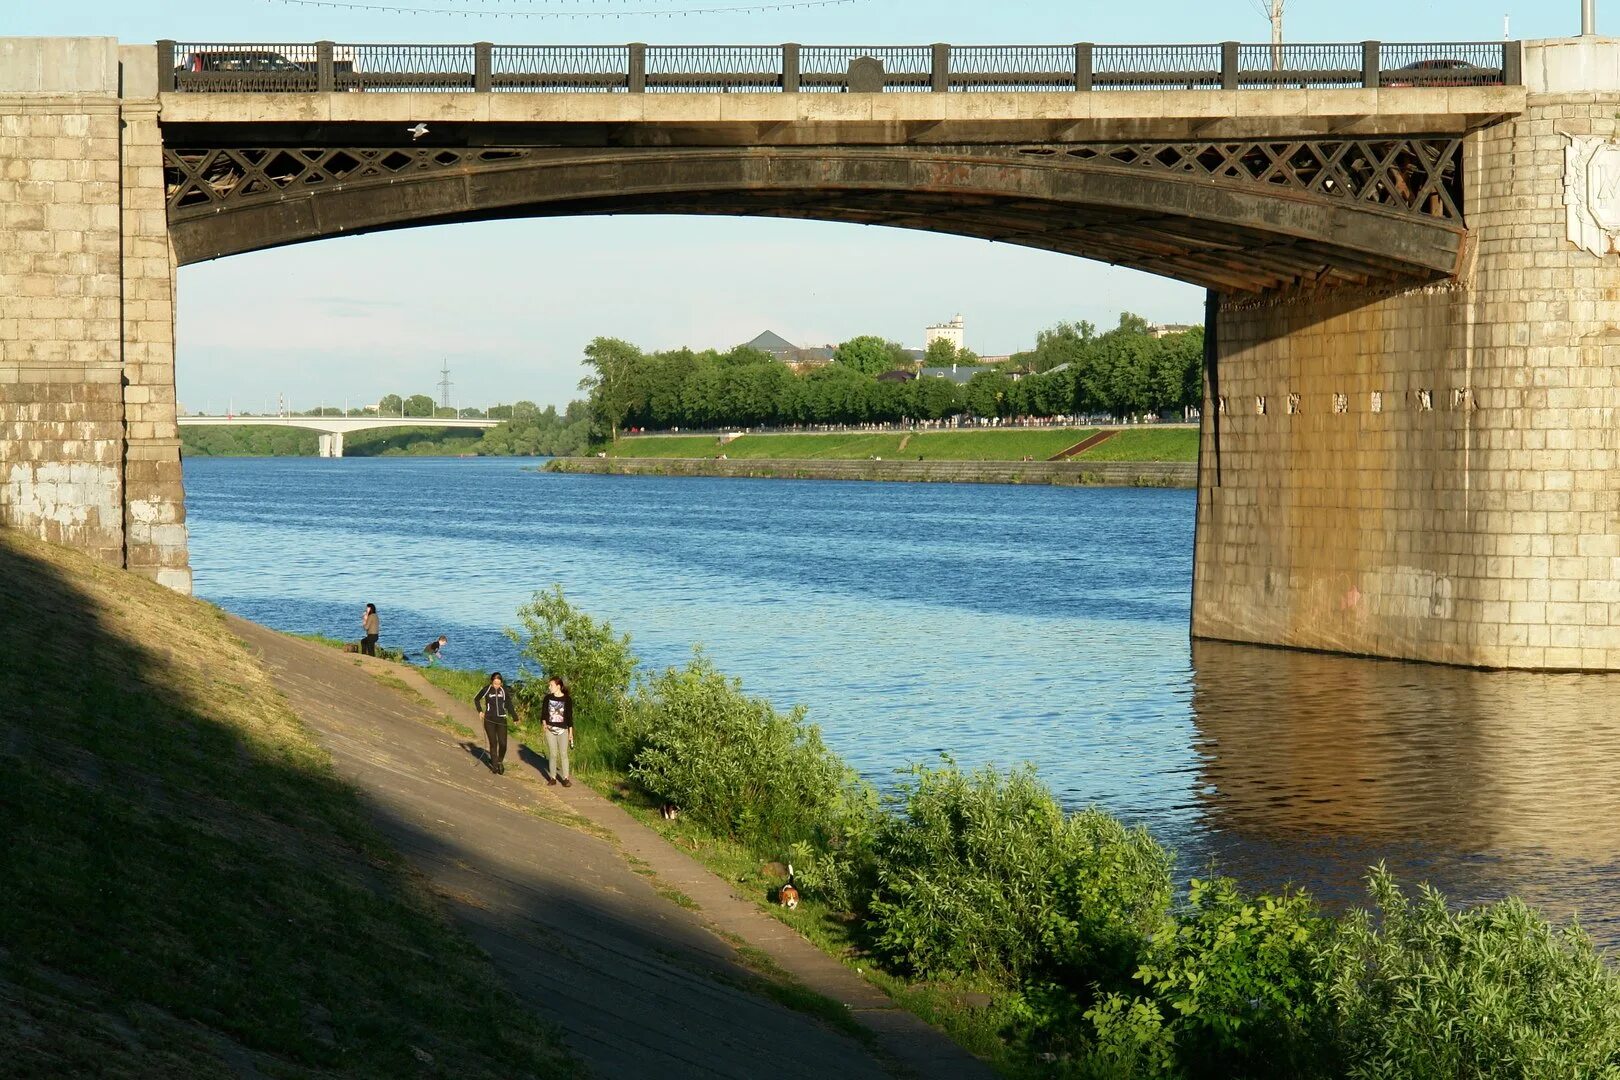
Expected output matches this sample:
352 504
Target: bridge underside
1238 216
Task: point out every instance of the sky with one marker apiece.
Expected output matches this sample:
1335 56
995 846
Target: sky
510 305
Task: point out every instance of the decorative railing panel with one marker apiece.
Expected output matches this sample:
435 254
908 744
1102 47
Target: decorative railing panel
572 68
326 66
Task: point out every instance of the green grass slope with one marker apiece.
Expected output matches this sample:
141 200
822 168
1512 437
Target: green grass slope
1013 444
185 887
1146 444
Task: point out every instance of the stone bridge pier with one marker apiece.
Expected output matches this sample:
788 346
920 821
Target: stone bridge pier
89 451
1434 473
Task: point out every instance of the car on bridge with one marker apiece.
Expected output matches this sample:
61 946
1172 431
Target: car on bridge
240 60
266 62
1439 71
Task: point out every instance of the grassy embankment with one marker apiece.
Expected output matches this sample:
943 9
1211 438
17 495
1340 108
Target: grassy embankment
1015 444
186 889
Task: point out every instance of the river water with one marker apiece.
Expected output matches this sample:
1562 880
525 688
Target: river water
993 623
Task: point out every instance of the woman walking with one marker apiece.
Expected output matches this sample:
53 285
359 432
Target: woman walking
373 627
497 705
557 715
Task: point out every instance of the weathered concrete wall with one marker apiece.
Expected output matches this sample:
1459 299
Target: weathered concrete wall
88 451
1434 474
154 496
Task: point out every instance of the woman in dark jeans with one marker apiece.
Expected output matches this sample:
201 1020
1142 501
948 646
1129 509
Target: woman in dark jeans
496 703
373 627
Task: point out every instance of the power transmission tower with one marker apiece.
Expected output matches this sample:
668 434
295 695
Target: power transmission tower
444 385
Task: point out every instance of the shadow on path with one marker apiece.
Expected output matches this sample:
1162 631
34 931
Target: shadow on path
641 985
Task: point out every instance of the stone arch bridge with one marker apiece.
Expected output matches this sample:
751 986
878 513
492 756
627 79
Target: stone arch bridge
1406 446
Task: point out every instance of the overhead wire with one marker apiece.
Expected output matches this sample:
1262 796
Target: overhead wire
565 13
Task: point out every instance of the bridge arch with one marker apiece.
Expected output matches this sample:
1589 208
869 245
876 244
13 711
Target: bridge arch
1238 216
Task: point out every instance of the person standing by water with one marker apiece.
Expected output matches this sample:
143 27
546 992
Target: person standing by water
557 716
495 702
432 649
373 628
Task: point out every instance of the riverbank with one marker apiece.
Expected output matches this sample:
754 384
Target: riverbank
186 888
648 962
1141 443
1074 473
1088 960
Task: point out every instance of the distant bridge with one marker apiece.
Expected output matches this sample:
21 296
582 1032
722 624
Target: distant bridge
333 428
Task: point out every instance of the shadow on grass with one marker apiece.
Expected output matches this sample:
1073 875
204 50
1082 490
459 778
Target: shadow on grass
185 886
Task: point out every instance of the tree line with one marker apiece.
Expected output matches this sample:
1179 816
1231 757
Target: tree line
1072 371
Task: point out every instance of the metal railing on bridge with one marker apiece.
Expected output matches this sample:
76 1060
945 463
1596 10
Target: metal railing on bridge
325 66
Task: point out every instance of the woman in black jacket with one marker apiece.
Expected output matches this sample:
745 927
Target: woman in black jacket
495 701
557 717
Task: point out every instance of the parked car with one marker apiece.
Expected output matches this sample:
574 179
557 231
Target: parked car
1436 72
240 60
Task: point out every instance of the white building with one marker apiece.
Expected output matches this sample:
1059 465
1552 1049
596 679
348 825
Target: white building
952 332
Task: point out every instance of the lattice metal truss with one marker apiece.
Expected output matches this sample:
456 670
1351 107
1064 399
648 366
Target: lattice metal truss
1416 176
203 180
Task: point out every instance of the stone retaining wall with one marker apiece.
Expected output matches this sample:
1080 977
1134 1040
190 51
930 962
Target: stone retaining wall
1177 474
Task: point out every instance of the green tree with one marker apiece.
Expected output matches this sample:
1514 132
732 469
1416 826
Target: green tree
936 398
941 353
987 394
419 405
871 355
390 405
611 383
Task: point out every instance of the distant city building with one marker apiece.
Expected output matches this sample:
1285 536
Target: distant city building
789 353
1166 329
898 375
957 373
953 332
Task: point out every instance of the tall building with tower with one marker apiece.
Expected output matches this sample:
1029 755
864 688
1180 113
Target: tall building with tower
953 332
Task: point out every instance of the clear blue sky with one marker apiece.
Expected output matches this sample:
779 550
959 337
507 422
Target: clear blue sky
511 304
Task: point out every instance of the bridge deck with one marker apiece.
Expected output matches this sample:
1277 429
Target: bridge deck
719 119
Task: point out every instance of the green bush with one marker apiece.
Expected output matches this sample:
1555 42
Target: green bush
597 665
1421 991
983 877
744 771
1231 987
984 874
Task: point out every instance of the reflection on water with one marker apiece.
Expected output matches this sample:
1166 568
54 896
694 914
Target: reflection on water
995 623
1314 766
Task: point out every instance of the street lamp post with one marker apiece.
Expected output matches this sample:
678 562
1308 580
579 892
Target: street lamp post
1588 18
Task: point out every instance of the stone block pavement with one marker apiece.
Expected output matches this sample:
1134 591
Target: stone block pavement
640 985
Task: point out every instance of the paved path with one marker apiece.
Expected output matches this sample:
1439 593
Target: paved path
640 985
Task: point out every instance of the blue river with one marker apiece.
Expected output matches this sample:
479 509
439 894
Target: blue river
1001 624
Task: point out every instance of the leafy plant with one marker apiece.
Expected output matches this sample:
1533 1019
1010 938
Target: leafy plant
740 768
1493 991
596 664
984 873
1235 975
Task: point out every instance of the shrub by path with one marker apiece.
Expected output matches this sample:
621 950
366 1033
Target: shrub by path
642 983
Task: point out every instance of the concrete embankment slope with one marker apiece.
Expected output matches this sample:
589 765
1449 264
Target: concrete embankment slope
1177 474
561 889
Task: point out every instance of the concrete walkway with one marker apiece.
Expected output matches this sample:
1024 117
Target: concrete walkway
640 985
